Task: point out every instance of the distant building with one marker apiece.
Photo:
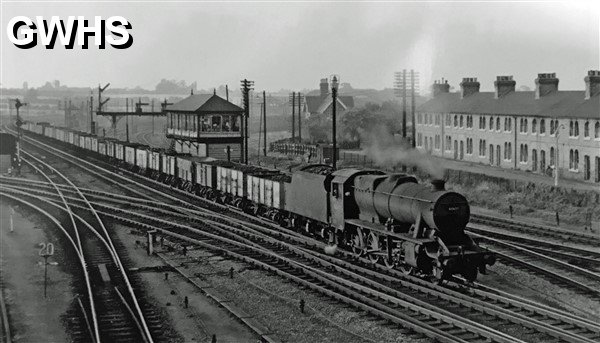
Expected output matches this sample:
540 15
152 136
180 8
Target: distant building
321 104
516 130
206 125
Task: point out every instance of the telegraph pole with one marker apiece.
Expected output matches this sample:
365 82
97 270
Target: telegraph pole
401 88
412 108
293 102
334 90
264 124
299 117
404 103
246 87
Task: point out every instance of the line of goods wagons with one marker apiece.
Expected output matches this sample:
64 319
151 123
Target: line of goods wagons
263 190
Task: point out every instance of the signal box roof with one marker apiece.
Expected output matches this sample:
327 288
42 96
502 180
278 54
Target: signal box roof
205 103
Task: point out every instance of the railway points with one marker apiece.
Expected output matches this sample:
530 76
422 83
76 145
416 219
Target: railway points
183 208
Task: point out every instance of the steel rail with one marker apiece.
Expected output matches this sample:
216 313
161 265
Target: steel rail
287 262
579 285
179 191
538 229
481 306
95 335
93 230
117 260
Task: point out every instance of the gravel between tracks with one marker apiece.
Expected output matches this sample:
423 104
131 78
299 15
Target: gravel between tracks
527 285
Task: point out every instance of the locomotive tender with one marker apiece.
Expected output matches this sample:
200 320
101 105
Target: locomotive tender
387 218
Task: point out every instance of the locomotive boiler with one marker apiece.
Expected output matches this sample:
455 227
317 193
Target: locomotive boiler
413 226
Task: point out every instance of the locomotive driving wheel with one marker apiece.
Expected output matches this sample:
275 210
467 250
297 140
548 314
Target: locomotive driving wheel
358 243
373 247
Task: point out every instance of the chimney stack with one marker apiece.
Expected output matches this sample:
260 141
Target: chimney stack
438 185
440 87
324 87
545 84
592 83
468 86
504 85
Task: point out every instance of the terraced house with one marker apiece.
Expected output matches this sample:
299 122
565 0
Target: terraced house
535 131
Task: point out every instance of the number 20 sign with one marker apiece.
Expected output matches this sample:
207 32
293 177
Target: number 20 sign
46 249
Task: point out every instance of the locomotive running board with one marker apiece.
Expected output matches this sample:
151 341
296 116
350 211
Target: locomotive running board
380 228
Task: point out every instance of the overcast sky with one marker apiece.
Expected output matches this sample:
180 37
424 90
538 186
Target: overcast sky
294 44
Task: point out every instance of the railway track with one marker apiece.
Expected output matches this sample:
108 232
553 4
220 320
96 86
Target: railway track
588 258
114 313
571 276
537 230
590 332
423 293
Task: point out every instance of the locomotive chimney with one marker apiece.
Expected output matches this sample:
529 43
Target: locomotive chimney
438 185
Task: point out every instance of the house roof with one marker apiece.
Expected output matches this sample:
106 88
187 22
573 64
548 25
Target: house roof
560 104
319 104
204 103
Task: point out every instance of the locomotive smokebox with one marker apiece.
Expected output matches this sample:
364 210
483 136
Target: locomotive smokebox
438 185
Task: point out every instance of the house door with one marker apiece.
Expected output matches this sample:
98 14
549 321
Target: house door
586 167
491 154
462 150
455 150
597 169
498 155
542 161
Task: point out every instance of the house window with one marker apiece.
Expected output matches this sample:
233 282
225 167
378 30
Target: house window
437 142
483 147
586 129
525 153
534 126
498 124
552 156
509 124
571 131
571 159
597 130
576 129
491 123
542 127
455 120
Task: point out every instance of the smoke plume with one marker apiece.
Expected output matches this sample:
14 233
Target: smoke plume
388 151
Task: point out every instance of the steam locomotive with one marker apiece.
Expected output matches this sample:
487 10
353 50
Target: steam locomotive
386 218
